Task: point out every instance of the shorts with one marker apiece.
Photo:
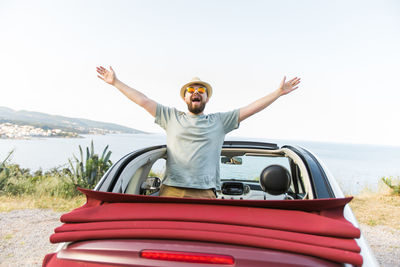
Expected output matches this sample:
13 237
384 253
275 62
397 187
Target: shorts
171 191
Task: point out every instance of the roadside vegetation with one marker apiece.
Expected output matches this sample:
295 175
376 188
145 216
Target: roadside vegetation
393 184
56 188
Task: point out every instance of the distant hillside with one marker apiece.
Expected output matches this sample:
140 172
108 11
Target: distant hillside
47 121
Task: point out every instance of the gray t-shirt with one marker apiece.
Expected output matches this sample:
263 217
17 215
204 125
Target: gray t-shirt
194 144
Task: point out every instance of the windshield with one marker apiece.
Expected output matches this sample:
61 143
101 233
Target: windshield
250 167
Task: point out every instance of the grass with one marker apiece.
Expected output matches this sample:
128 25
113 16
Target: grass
377 208
9 203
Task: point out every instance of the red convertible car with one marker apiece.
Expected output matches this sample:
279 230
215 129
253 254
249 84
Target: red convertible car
277 206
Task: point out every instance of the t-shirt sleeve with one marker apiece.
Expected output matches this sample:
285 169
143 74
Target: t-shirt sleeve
163 115
230 120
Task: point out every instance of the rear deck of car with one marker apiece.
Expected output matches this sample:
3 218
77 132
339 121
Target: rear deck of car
313 229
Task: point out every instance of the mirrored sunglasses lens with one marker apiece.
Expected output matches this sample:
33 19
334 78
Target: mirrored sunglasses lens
190 90
201 90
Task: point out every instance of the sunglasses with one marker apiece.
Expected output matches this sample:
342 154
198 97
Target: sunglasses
191 90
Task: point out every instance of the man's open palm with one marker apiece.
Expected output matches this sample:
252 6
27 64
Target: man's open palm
289 86
106 75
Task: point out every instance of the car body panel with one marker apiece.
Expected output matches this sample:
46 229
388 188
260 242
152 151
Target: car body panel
127 252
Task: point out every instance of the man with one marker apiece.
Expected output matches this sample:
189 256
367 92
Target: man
194 140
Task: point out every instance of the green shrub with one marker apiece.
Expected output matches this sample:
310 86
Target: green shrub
19 181
86 173
56 182
4 171
393 183
16 180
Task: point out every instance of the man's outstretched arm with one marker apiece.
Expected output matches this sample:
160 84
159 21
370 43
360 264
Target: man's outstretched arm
139 98
262 103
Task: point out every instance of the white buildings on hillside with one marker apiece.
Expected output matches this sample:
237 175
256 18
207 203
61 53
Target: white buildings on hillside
14 131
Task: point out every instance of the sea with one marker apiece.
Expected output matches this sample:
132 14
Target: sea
356 167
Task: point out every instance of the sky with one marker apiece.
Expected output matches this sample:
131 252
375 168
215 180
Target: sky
346 53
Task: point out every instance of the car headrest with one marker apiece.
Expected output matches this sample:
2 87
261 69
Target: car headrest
275 180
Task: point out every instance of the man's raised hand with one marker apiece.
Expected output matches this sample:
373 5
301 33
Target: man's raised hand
289 86
106 75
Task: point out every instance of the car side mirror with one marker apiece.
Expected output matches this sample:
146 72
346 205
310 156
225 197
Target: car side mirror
151 183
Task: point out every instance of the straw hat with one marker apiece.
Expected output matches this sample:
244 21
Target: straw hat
196 80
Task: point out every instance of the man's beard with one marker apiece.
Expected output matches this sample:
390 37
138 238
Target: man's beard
196 109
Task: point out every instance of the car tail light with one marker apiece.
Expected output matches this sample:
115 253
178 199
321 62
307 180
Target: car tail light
187 257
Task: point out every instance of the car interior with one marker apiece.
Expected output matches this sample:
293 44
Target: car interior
246 174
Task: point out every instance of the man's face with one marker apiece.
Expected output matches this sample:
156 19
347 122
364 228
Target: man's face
196 101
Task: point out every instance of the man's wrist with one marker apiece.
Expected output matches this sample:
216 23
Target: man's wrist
277 93
116 82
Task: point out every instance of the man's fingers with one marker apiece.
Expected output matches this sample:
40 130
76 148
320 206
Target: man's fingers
293 82
101 69
111 69
100 77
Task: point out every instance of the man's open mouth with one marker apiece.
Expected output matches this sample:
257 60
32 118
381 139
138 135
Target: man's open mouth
196 99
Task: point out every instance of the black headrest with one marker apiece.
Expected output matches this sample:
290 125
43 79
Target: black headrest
275 180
